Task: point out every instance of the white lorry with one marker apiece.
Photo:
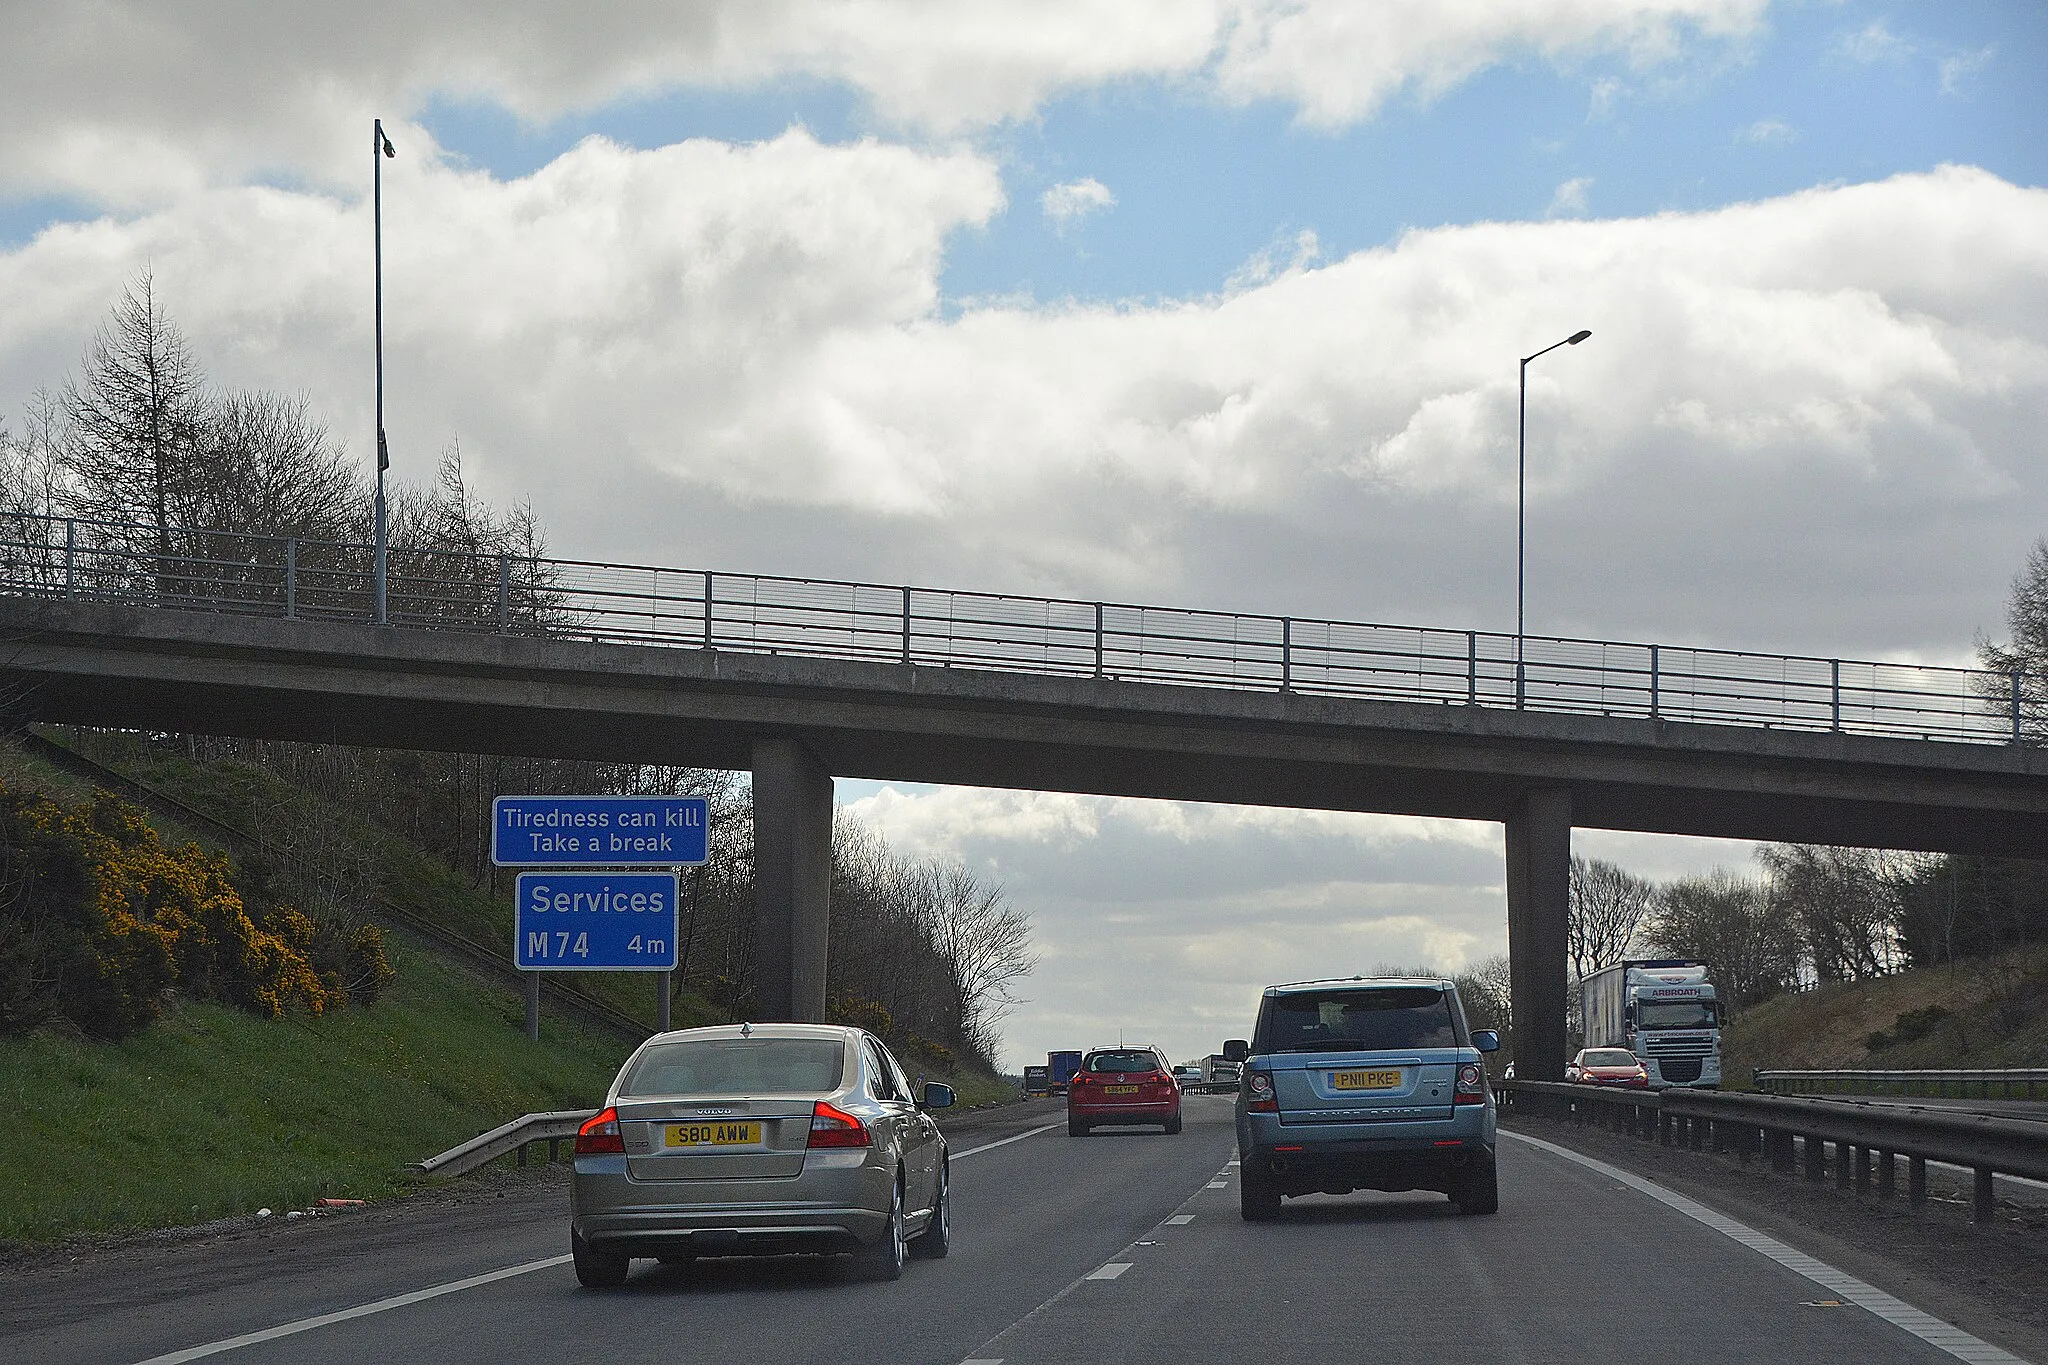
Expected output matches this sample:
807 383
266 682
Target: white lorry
1663 1010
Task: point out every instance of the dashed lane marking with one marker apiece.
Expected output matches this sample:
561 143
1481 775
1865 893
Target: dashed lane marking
1004 1142
359 1311
1900 1314
1108 1272
1180 1220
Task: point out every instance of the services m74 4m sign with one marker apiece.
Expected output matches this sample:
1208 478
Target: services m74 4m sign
594 922
599 831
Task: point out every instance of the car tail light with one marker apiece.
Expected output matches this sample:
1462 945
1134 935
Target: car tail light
834 1127
599 1135
1471 1085
1259 1097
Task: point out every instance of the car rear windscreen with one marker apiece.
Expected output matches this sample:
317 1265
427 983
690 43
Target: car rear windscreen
1357 1019
1123 1061
737 1066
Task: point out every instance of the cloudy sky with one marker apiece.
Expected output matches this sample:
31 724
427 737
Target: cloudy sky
1200 302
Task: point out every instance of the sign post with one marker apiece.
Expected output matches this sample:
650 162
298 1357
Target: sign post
573 918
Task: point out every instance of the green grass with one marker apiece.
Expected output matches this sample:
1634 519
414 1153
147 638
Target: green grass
215 1112
1997 1016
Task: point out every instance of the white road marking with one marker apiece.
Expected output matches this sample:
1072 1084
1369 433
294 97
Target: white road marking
1218 1185
1109 1272
360 1311
1004 1142
1900 1314
1180 1220
993 1360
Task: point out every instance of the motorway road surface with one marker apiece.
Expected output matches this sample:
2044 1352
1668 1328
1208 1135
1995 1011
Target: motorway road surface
1122 1246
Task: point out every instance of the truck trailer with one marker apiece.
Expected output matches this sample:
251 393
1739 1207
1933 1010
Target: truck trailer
1662 1009
1060 1068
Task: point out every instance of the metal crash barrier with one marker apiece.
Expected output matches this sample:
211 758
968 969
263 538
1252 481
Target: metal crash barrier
504 1140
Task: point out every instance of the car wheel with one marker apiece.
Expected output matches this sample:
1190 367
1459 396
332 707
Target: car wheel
1478 1192
937 1238
597 1269
883 1258
1173 1124
1258 1198
1076 1128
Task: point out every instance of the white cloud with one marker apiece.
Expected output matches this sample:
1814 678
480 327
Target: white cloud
1766 131
1076 199
1959 68
132 104
1569 200
1874 42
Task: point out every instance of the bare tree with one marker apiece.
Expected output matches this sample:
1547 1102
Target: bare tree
1484 990
986 946
1729 923
2022 665
1608 906
1846 901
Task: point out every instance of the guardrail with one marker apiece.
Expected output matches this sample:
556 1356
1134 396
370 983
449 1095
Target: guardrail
507 1138
2012 1082
219 571
1793 1132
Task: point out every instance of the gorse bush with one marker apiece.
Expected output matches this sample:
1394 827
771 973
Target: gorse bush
101 924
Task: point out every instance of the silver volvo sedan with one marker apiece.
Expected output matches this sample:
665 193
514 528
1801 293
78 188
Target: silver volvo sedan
750 1139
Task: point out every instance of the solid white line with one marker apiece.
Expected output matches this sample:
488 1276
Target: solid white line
1110 1271
1004 1142
360 1311
1900 1314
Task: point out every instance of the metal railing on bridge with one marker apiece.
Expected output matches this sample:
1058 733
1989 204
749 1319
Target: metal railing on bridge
222 571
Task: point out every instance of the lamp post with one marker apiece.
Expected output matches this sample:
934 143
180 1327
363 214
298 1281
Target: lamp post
1522 500
380 148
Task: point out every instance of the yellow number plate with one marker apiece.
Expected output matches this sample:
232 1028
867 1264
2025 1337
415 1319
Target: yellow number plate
711 1134
1119 1089
1365 1080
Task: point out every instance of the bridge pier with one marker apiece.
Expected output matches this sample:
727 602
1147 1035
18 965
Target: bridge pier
1539 847
792 881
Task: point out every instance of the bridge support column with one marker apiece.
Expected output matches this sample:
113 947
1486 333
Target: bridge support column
1539 887
792 881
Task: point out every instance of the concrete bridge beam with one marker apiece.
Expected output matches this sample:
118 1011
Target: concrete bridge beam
792 881
1539 847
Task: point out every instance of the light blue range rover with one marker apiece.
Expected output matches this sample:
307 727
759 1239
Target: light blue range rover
1364 1084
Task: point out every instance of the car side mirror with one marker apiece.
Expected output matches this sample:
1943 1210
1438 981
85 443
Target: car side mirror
936 1096
1236 1050
1486 1040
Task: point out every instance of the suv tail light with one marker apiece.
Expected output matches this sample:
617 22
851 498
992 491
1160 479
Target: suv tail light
1471 1085
599 1135
834 1127
1259 1096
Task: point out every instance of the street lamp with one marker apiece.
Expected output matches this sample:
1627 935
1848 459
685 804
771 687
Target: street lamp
1522 500
380 148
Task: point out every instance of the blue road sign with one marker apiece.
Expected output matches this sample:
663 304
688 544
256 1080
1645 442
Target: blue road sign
594 922
599 831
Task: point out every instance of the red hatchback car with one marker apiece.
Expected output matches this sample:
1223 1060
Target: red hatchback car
1118 1085
1608 1066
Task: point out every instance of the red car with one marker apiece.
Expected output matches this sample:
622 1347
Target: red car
1608 1066
1119 1085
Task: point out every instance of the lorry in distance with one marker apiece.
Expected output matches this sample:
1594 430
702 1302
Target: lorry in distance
1662 1009
1037 1080
1062 1066
1219 1074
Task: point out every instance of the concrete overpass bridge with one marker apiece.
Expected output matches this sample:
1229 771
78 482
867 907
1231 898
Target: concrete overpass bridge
801 681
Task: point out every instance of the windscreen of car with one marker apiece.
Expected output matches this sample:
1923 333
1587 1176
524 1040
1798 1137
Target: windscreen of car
1358 1019
1123 1061
737 1066
1609 1056
1675 1014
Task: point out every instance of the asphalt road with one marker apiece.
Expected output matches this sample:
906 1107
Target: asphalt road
1579 1266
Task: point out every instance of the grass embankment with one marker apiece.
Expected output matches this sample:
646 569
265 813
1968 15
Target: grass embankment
1987 1012
214 1111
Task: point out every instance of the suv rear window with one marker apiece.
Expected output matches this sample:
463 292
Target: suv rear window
1122 1061
737 1066
1367 1019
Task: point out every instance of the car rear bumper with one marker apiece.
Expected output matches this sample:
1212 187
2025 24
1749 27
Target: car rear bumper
1340 1167
827 1208
1155 1111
